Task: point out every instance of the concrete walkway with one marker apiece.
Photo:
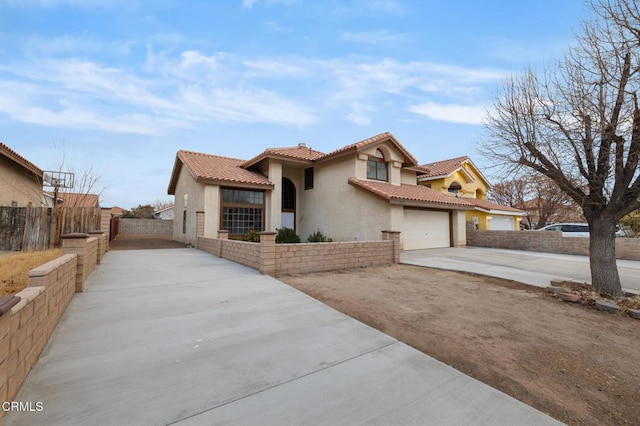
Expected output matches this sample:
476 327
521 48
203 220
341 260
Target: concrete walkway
182 337
527 267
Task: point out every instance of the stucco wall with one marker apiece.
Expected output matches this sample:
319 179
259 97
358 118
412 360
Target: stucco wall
187 185
339 210
18 185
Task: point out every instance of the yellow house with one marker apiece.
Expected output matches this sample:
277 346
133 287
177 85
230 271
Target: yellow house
459 177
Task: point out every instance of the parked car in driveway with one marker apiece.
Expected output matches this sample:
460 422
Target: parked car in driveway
569 229
582 230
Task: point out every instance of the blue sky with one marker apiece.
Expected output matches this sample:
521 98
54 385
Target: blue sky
121 85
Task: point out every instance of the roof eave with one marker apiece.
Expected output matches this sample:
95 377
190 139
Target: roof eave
428 204
235 184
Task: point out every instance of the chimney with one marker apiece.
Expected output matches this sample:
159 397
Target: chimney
302 145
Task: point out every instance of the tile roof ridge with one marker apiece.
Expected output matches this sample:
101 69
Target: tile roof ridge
209 155
454 159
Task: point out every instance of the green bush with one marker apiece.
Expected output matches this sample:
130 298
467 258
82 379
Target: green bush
287 235
318 237
251 236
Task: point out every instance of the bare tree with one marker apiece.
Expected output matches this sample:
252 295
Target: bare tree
162 204
537 195
579 125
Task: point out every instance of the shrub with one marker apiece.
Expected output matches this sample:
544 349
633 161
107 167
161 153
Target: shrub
318 237
287 235
251 236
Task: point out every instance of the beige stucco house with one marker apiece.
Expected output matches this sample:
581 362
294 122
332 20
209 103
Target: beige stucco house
349 194
21 180
460 177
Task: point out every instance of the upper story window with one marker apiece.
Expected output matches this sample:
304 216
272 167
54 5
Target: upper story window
377 167
454 188
308 178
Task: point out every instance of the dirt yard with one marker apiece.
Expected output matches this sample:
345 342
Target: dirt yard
144 241
577 364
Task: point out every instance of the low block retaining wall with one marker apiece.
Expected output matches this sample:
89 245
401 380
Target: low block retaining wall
28 319
282 259
546 241
241 252
145 226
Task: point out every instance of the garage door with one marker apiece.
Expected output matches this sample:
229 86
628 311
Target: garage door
425 229
501 223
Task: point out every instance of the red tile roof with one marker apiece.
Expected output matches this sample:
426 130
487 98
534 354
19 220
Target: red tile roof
423 194
19 159
215 169
74 199
358 146
445 167
408 193
300 152
488 205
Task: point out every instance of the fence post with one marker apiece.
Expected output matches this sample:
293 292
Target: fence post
393 236
77 243
268 253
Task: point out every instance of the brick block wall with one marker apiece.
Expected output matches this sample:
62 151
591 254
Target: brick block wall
145 226
210 245
242 252
316 257
546 241
25 330
282 259
87 250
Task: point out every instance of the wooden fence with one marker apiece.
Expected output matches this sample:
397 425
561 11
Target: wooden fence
38 228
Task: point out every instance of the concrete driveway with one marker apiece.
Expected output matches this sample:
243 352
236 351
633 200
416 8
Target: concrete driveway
524 266
182 337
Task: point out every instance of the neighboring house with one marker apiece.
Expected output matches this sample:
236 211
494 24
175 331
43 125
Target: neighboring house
73 199
352 193
21 180
561 213
164 213
459 177
117 211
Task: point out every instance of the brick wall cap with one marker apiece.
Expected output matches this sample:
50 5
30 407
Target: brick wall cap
8 302
268 233
75 235
222 231
96 232
391 232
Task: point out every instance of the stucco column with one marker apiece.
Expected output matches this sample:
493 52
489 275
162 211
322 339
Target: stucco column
268 253
459 226
77 243
394 236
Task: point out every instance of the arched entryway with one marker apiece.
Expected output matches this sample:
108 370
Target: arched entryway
288 204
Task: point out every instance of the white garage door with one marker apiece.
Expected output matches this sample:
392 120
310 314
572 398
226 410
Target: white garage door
425 229
501 223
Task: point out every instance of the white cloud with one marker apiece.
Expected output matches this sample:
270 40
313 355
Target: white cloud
172 90
462 114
